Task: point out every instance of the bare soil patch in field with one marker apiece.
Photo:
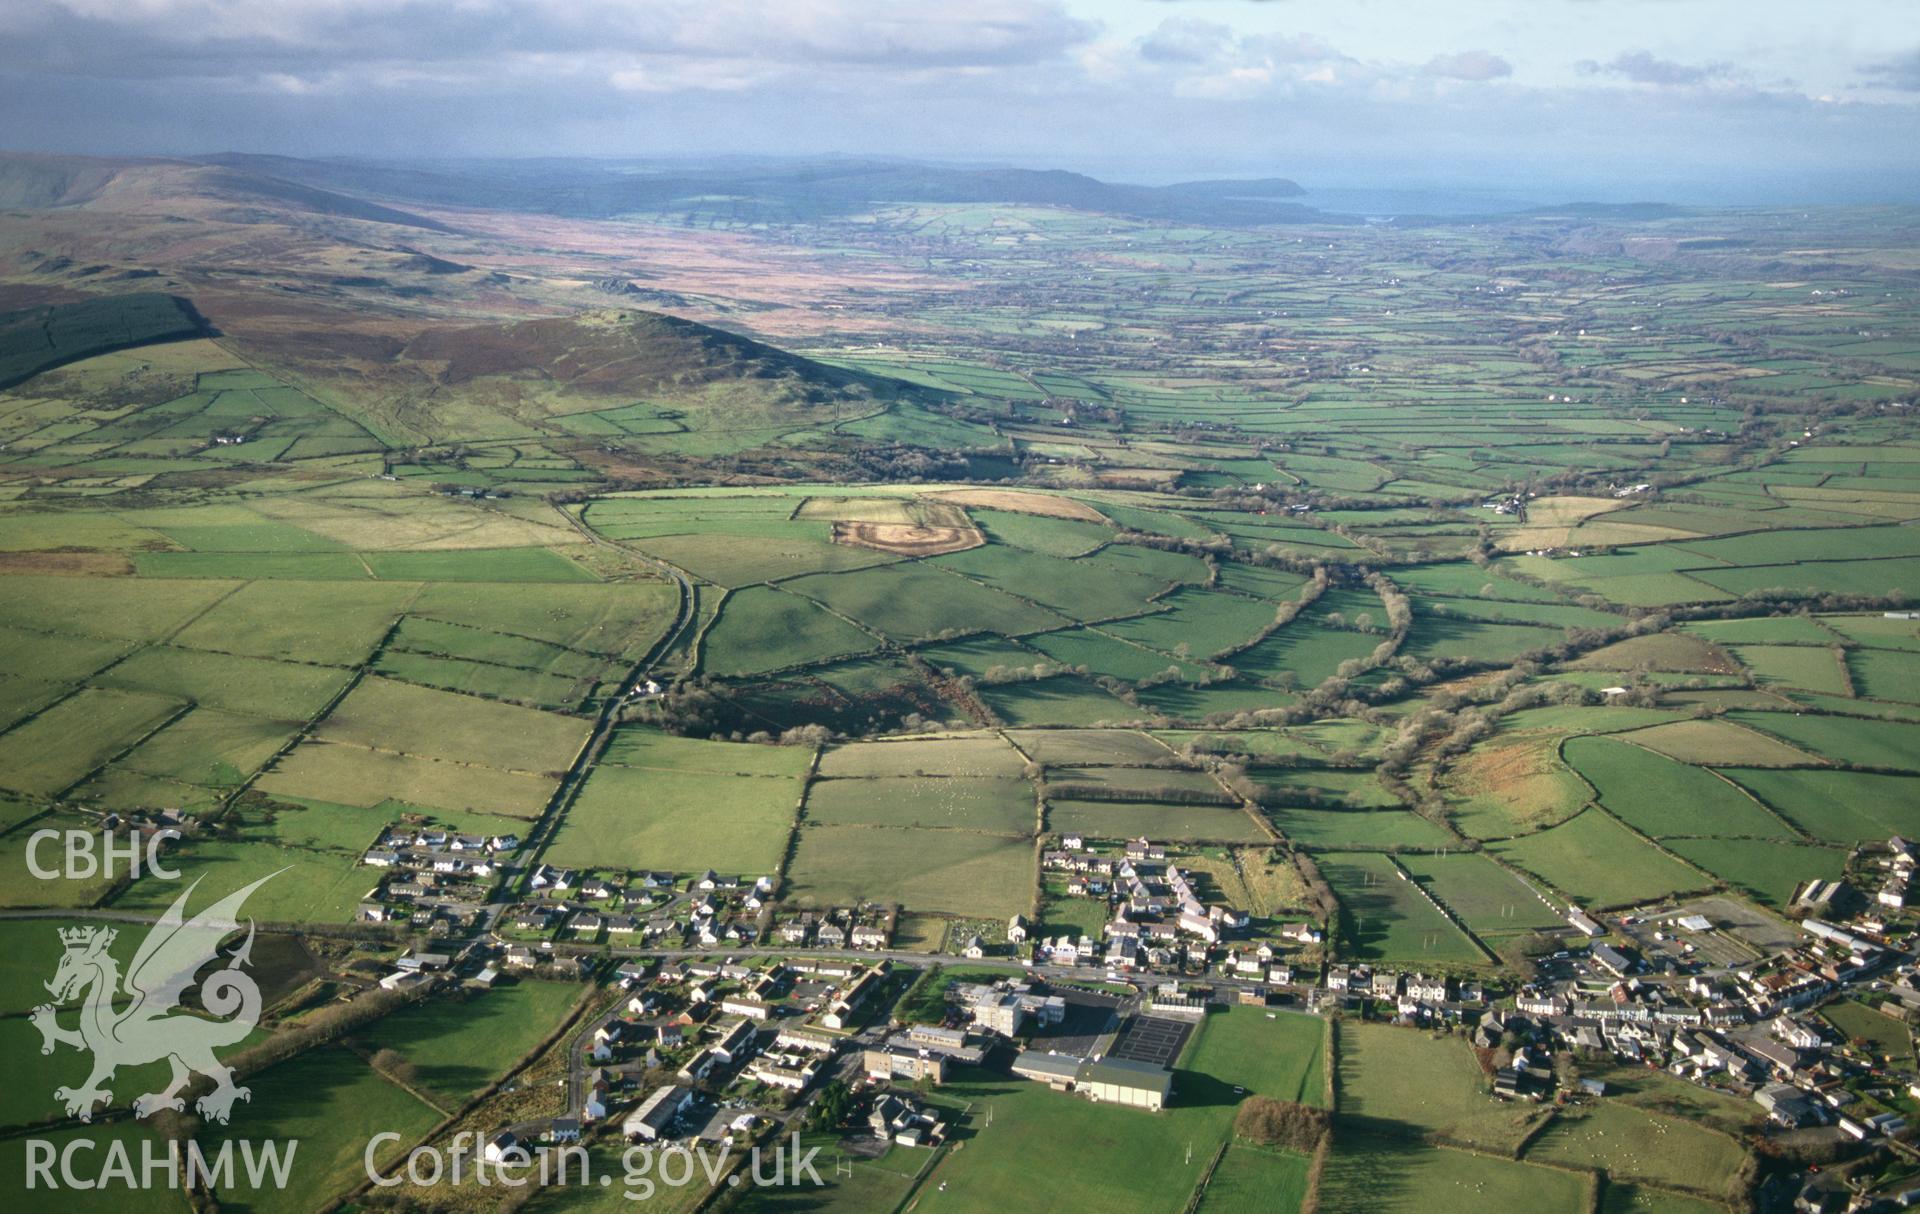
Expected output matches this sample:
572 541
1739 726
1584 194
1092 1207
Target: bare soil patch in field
67 564
907 539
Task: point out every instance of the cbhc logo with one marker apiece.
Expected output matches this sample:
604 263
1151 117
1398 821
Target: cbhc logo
90 855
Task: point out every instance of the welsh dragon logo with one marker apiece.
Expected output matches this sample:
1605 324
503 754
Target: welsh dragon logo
146 1027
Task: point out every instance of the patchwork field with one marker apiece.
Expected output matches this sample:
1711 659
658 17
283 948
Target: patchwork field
1490 566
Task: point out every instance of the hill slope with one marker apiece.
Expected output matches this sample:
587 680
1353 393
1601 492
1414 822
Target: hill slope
37 339
773 191
39 182
522 378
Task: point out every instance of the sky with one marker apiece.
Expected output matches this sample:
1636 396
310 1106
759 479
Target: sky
1683 100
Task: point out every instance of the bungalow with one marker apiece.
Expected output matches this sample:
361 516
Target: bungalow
1304 933
533 919
501 1145
380 859
741 1005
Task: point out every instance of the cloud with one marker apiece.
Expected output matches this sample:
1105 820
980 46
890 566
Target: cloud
1469 65
478 39
1186 41
1900 72
1643 67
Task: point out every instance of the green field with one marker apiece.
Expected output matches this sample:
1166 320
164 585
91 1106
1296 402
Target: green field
952 871
1406 1082
1634 1145
1490 900
986 803
1371 1174
332 1103
678 819
1838 806
456 1047
1112 1155
1363 829
1251 1180
1594 859
1665 798
1131 819
1384 917
763 628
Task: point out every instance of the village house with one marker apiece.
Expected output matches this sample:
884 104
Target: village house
899 1120
800 1037
735 1041
742 1005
